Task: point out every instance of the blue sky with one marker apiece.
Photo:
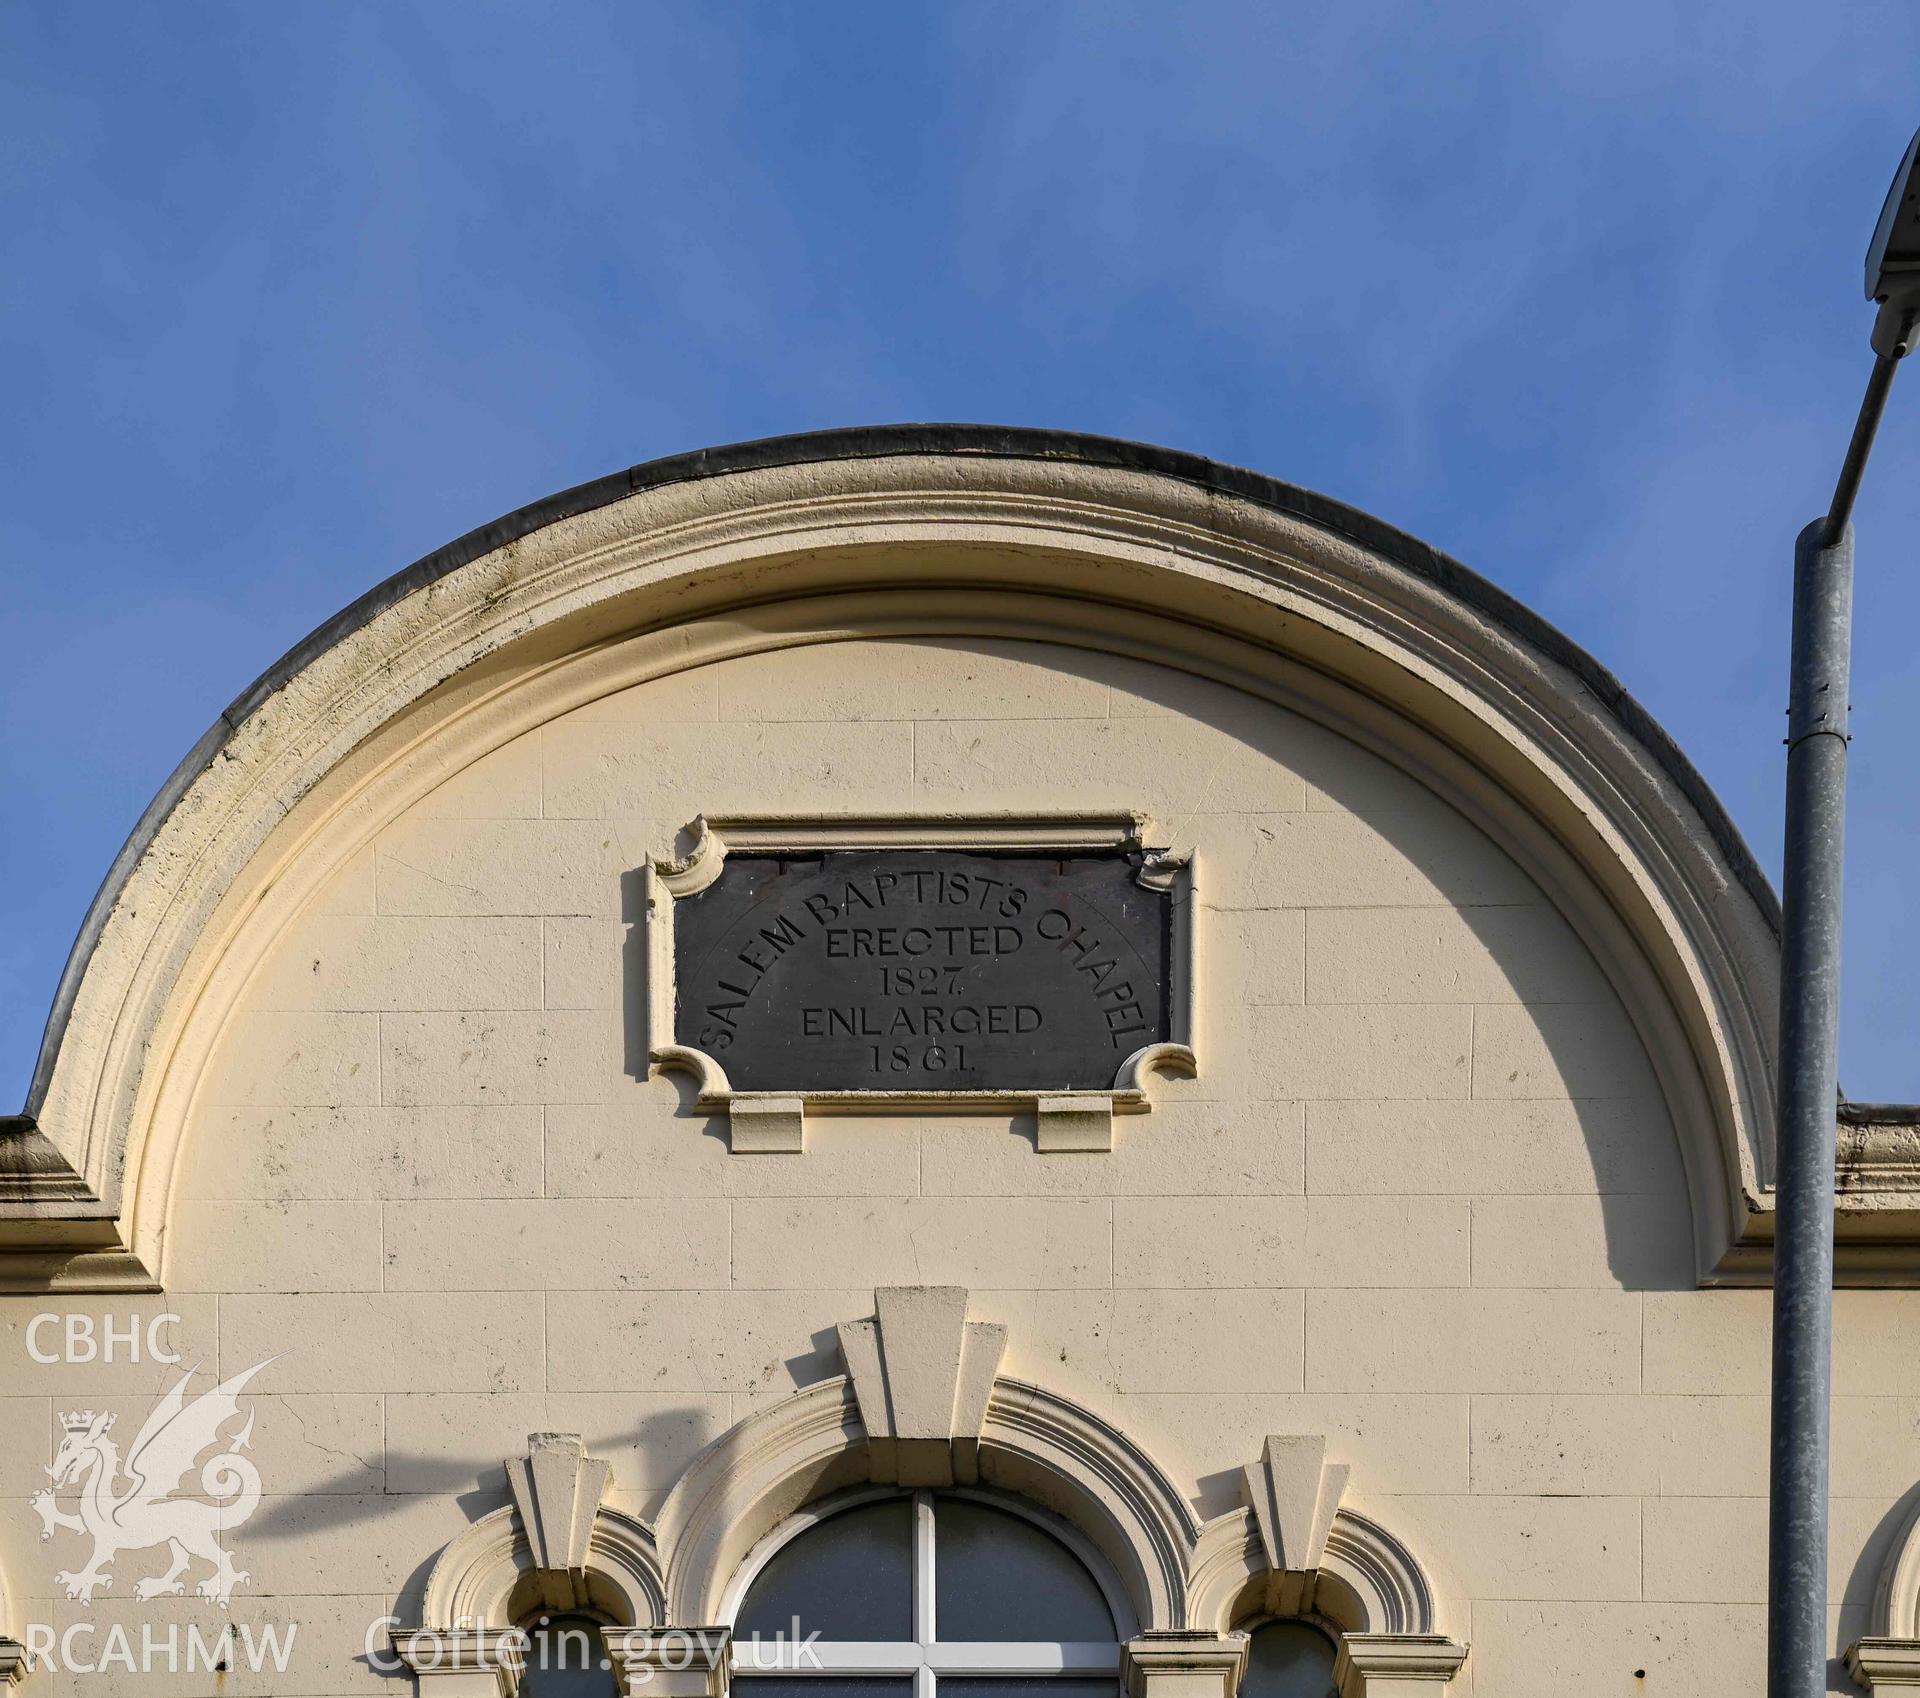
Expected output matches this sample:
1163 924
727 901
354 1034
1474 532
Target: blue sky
295 293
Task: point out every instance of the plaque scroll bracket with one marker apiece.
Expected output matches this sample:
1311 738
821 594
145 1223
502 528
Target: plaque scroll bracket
1078 1120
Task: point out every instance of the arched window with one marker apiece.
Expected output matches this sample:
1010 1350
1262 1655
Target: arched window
933 1595
1289 1659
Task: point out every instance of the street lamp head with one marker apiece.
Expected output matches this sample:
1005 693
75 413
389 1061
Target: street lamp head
1893 260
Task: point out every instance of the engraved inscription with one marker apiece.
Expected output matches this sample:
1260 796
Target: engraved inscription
922 970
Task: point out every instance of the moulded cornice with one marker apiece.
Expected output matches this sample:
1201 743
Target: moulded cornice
464 1660
1394 1662
681 1662
1885 1665
1878 1151
713 839
923 532
1183 1662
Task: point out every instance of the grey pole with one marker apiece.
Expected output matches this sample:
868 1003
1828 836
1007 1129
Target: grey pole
1809 1095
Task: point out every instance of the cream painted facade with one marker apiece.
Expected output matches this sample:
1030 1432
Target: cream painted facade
1420 1290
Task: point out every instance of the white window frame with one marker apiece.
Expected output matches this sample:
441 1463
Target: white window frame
925 1658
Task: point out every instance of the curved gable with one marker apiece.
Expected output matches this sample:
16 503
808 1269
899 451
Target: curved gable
1312 638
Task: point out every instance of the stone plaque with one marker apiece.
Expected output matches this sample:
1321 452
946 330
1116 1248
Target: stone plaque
924 970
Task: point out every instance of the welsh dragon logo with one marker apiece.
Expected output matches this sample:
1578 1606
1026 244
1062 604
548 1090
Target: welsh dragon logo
146 1511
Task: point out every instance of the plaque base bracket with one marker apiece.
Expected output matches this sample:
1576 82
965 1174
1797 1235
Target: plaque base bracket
763 1123
1083 1123
766 1126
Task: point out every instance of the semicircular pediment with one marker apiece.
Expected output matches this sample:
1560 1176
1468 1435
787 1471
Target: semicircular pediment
1121 556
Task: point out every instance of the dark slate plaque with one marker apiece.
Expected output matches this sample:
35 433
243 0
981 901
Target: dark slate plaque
922 970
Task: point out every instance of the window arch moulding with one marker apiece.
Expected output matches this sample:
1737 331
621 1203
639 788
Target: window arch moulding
923 1403
1888 1658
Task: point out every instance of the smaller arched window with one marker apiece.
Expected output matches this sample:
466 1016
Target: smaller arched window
1289 1659
933 1595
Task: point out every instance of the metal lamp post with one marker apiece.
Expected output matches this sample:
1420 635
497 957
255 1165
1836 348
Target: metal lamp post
1810 990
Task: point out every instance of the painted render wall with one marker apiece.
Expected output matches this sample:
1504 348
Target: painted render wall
1422 1197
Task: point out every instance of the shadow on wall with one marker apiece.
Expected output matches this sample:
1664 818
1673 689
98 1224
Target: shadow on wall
1857 1598
1410 916
668 1438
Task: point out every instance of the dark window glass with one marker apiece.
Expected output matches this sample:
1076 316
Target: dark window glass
1289 1659
567 1659
998 1576
1025 1686
849 1577
821 1686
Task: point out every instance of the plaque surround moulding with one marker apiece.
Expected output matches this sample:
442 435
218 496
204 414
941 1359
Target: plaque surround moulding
1075 1116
